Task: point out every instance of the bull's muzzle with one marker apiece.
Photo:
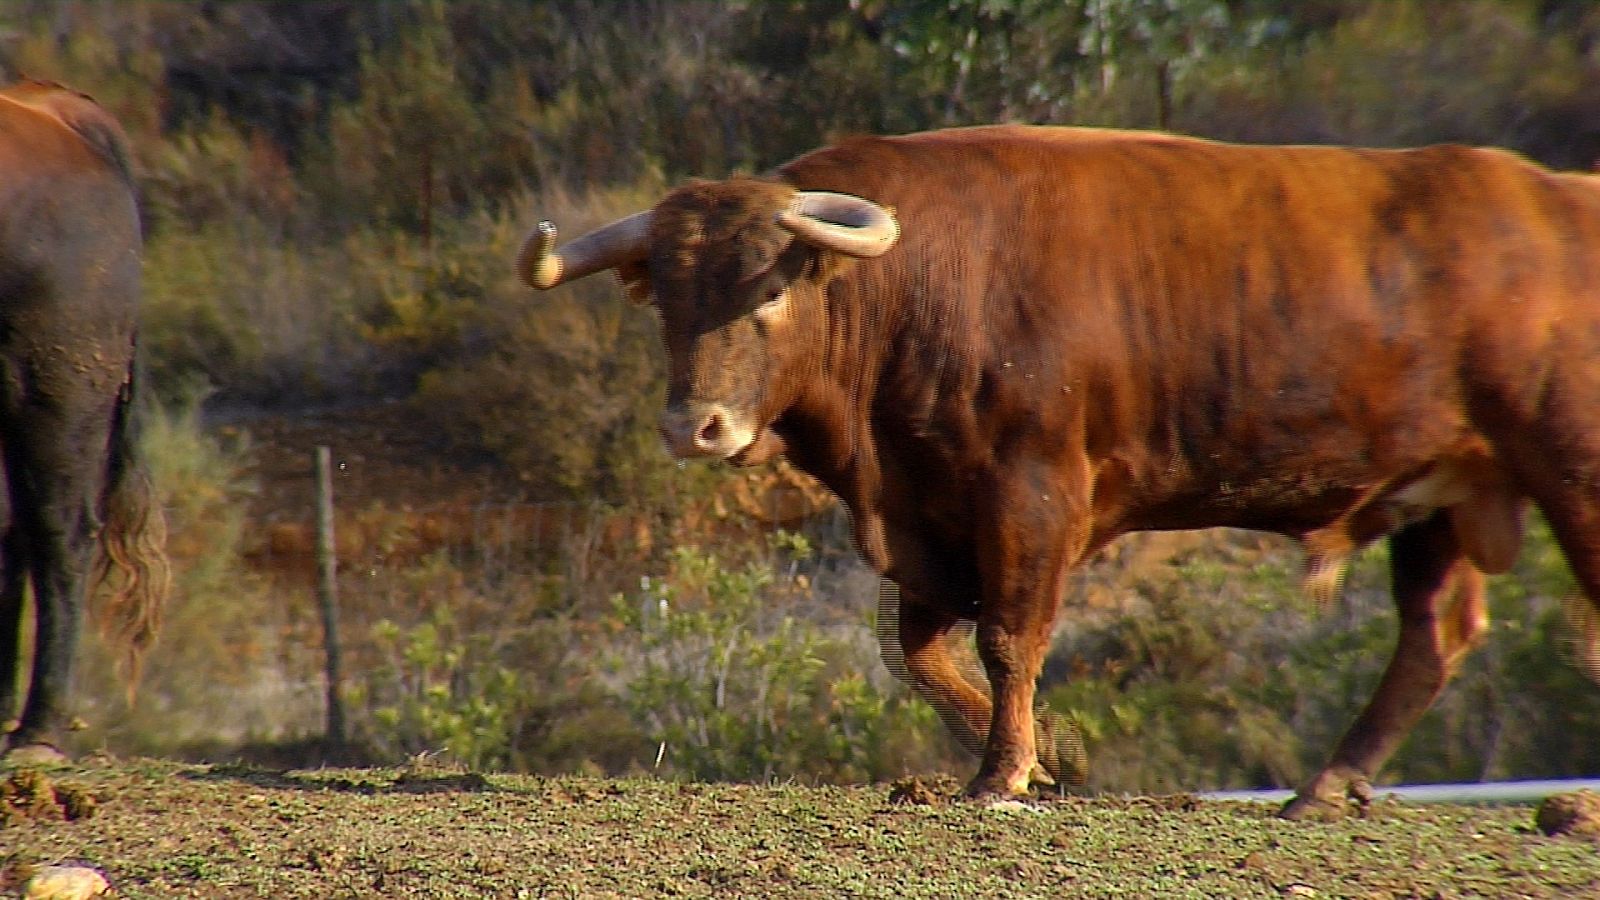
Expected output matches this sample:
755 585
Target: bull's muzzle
709 429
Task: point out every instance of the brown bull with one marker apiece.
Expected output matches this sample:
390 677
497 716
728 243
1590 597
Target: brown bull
1003 347
69 288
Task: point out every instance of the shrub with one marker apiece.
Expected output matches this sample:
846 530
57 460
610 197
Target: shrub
233 309
484 657
443 693
1171 692
562 387
733 682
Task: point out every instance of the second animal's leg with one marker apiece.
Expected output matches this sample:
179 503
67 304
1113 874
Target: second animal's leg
59 569
61 448
13 580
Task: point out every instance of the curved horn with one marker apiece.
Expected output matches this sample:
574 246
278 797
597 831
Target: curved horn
851 225
623 241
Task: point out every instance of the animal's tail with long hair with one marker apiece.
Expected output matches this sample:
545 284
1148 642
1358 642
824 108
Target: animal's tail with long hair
131 576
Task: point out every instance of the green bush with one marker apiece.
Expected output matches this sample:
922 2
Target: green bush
413 147
441 692
484 658
732 683
1174 691
563 387
233 309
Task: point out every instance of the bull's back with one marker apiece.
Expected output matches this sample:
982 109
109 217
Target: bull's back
45 127
69 223
1381 223
1240 316
69 260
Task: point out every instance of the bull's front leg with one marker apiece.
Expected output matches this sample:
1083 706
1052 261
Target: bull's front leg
1025 544
918 639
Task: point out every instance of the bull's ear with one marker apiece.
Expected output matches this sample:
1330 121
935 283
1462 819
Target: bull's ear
830 265
635 278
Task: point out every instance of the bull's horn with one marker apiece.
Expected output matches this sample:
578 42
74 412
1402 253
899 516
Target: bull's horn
623 241
851 225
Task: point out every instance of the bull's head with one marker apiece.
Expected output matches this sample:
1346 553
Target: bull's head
737 272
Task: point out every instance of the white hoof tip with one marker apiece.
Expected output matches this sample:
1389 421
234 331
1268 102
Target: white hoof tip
1013 806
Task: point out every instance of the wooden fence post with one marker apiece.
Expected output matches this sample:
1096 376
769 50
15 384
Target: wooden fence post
328 599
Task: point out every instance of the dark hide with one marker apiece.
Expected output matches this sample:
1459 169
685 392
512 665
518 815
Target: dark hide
69 285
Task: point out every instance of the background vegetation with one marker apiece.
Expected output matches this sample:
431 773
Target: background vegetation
333 191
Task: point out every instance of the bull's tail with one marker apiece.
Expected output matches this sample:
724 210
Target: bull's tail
132 576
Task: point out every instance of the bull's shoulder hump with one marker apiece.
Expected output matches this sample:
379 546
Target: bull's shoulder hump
45 106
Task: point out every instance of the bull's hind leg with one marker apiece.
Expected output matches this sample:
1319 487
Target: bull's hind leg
915 638
1555 456
53 508
1573 511
1440 597
917 642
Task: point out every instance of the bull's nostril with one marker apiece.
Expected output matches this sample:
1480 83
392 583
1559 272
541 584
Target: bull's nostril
709 432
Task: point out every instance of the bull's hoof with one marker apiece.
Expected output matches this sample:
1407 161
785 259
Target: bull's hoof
1314 809
989 788
35 755
1322 801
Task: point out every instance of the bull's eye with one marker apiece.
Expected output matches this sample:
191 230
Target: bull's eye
772 299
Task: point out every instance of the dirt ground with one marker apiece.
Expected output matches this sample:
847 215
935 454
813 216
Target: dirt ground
159 829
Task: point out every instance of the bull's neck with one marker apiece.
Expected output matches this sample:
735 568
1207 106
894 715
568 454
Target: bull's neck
830 431
832 417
